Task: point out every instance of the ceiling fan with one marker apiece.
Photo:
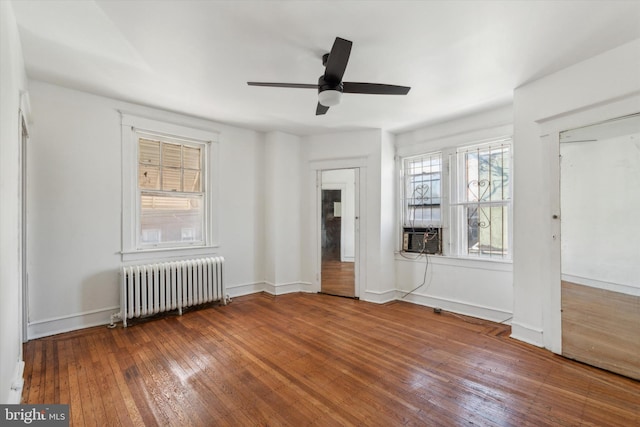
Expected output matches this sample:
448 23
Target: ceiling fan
330 85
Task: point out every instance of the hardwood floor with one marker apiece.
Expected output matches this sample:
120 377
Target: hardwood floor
338 278
588 314
309 359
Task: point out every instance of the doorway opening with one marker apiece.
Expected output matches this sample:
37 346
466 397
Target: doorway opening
600 276
338 227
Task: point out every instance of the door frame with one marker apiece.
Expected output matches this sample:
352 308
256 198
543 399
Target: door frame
549 131
356 231
24 135
359 165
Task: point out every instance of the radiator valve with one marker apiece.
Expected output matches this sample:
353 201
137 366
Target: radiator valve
114 316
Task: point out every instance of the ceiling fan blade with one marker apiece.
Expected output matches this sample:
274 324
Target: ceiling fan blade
321 109
287 85
338 58
374 88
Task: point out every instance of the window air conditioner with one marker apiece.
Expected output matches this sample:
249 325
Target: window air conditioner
422 240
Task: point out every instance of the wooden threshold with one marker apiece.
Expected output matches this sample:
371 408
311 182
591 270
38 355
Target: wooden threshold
337 295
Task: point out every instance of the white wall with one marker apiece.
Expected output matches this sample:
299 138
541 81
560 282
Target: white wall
75 202
388 210
478 288
75 206
600 201
362 149
12 82
282 219
600 88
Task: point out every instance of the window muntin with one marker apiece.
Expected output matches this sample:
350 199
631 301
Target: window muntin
467 196
198 180
171 195
483 200
422 191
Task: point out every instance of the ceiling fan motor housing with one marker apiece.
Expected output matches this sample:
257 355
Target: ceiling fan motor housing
329 93
330 86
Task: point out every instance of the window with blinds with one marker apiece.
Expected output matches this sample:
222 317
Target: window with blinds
172 198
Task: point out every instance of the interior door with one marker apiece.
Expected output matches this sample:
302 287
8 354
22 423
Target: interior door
338 226
600 244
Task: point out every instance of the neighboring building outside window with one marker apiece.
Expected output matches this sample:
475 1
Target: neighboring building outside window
172 196
169 189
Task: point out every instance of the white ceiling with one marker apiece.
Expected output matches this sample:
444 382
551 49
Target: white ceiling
195 57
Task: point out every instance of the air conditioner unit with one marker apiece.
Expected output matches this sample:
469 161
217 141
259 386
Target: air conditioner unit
422 240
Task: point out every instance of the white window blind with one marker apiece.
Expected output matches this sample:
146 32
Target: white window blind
171 195
170 189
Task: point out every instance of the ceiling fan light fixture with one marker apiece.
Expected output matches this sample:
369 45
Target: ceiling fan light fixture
330 86
329 97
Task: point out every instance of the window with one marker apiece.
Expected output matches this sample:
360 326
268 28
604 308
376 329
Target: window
422 205
473 221
171 195
168 187
482 200
422 192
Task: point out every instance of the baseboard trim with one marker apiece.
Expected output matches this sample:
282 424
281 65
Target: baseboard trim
380 297
528 334
459 307
286 288
57 325
607 286
245 289
14 396
268 287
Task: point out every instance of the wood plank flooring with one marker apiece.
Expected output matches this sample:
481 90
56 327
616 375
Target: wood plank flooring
338 278
317 360
589 316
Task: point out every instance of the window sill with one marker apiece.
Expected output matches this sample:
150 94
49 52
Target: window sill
463 262
165 254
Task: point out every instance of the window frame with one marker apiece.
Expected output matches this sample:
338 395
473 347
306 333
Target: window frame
134 127
161 192
459 204
406 199
454 225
